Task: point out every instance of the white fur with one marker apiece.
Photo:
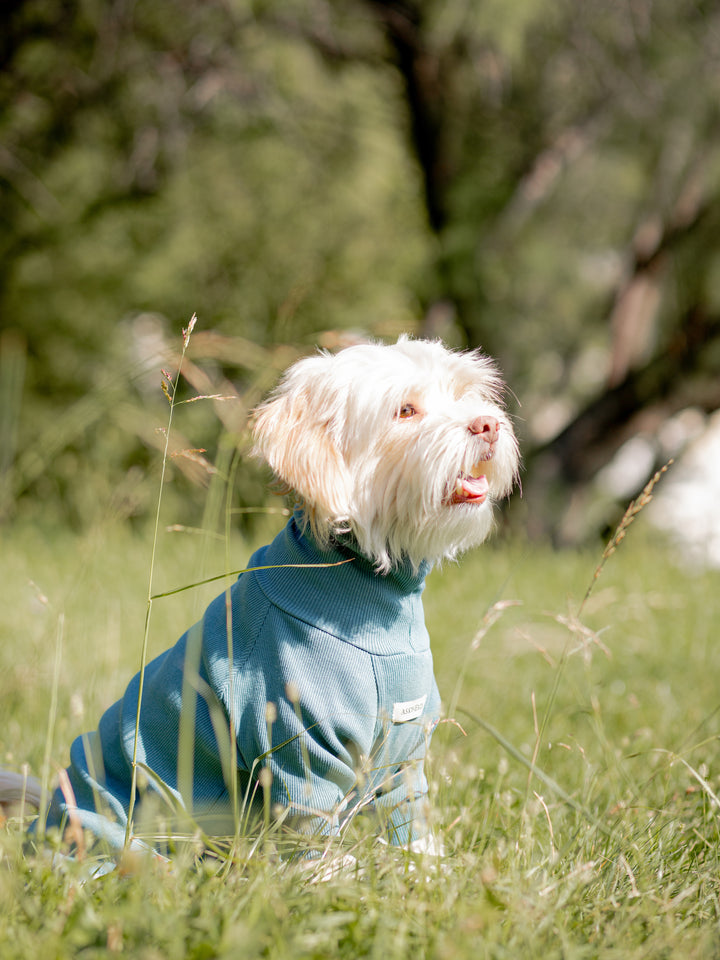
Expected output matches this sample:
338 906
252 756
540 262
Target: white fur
332 433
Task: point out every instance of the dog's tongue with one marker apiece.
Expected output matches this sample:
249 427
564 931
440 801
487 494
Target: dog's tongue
473 488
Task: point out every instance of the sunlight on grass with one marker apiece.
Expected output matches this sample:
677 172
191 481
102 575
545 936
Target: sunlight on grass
600 837
575 778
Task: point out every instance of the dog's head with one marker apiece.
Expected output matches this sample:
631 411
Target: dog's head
406 446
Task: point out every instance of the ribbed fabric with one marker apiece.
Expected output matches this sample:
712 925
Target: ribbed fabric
351 645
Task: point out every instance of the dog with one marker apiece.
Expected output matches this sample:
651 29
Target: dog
307 689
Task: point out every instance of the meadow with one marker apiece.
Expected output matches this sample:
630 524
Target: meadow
575 781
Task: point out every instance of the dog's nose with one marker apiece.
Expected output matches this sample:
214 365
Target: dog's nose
486 428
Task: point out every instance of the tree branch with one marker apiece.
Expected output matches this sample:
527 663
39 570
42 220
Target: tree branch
668 383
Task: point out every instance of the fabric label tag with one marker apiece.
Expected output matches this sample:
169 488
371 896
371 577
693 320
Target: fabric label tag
409 710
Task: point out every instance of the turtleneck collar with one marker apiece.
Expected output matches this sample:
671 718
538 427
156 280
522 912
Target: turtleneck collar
381 613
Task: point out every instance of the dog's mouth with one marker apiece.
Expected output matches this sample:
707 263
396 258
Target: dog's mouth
470 488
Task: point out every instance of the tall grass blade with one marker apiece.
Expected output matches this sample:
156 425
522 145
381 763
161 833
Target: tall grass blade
52 717
171 394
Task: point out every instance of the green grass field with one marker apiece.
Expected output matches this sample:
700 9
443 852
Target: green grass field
575 783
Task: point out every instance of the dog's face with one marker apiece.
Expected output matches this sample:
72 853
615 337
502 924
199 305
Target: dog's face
406 445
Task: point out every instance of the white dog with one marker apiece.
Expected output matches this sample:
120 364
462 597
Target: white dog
309 686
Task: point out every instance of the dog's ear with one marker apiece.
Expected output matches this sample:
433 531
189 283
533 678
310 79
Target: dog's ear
293 432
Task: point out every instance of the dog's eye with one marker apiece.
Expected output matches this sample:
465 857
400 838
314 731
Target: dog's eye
406 411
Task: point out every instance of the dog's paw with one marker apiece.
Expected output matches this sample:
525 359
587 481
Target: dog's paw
329 867
430 844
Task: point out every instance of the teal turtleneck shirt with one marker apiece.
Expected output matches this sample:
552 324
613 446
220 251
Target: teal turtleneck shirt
342 655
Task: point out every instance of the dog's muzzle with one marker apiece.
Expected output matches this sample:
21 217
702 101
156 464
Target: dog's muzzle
473 487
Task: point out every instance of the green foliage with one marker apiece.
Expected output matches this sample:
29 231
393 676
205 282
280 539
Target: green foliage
493 173
172 160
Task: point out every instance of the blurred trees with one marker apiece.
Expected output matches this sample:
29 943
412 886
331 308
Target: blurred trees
539 178
571 163
169 158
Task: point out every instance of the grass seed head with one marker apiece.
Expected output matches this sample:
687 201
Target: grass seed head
635 507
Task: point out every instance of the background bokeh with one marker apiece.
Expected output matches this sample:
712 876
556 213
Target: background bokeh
539 178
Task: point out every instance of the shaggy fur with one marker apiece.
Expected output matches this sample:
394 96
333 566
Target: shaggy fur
378 440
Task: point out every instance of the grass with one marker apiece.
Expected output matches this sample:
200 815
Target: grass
585 825
575 779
